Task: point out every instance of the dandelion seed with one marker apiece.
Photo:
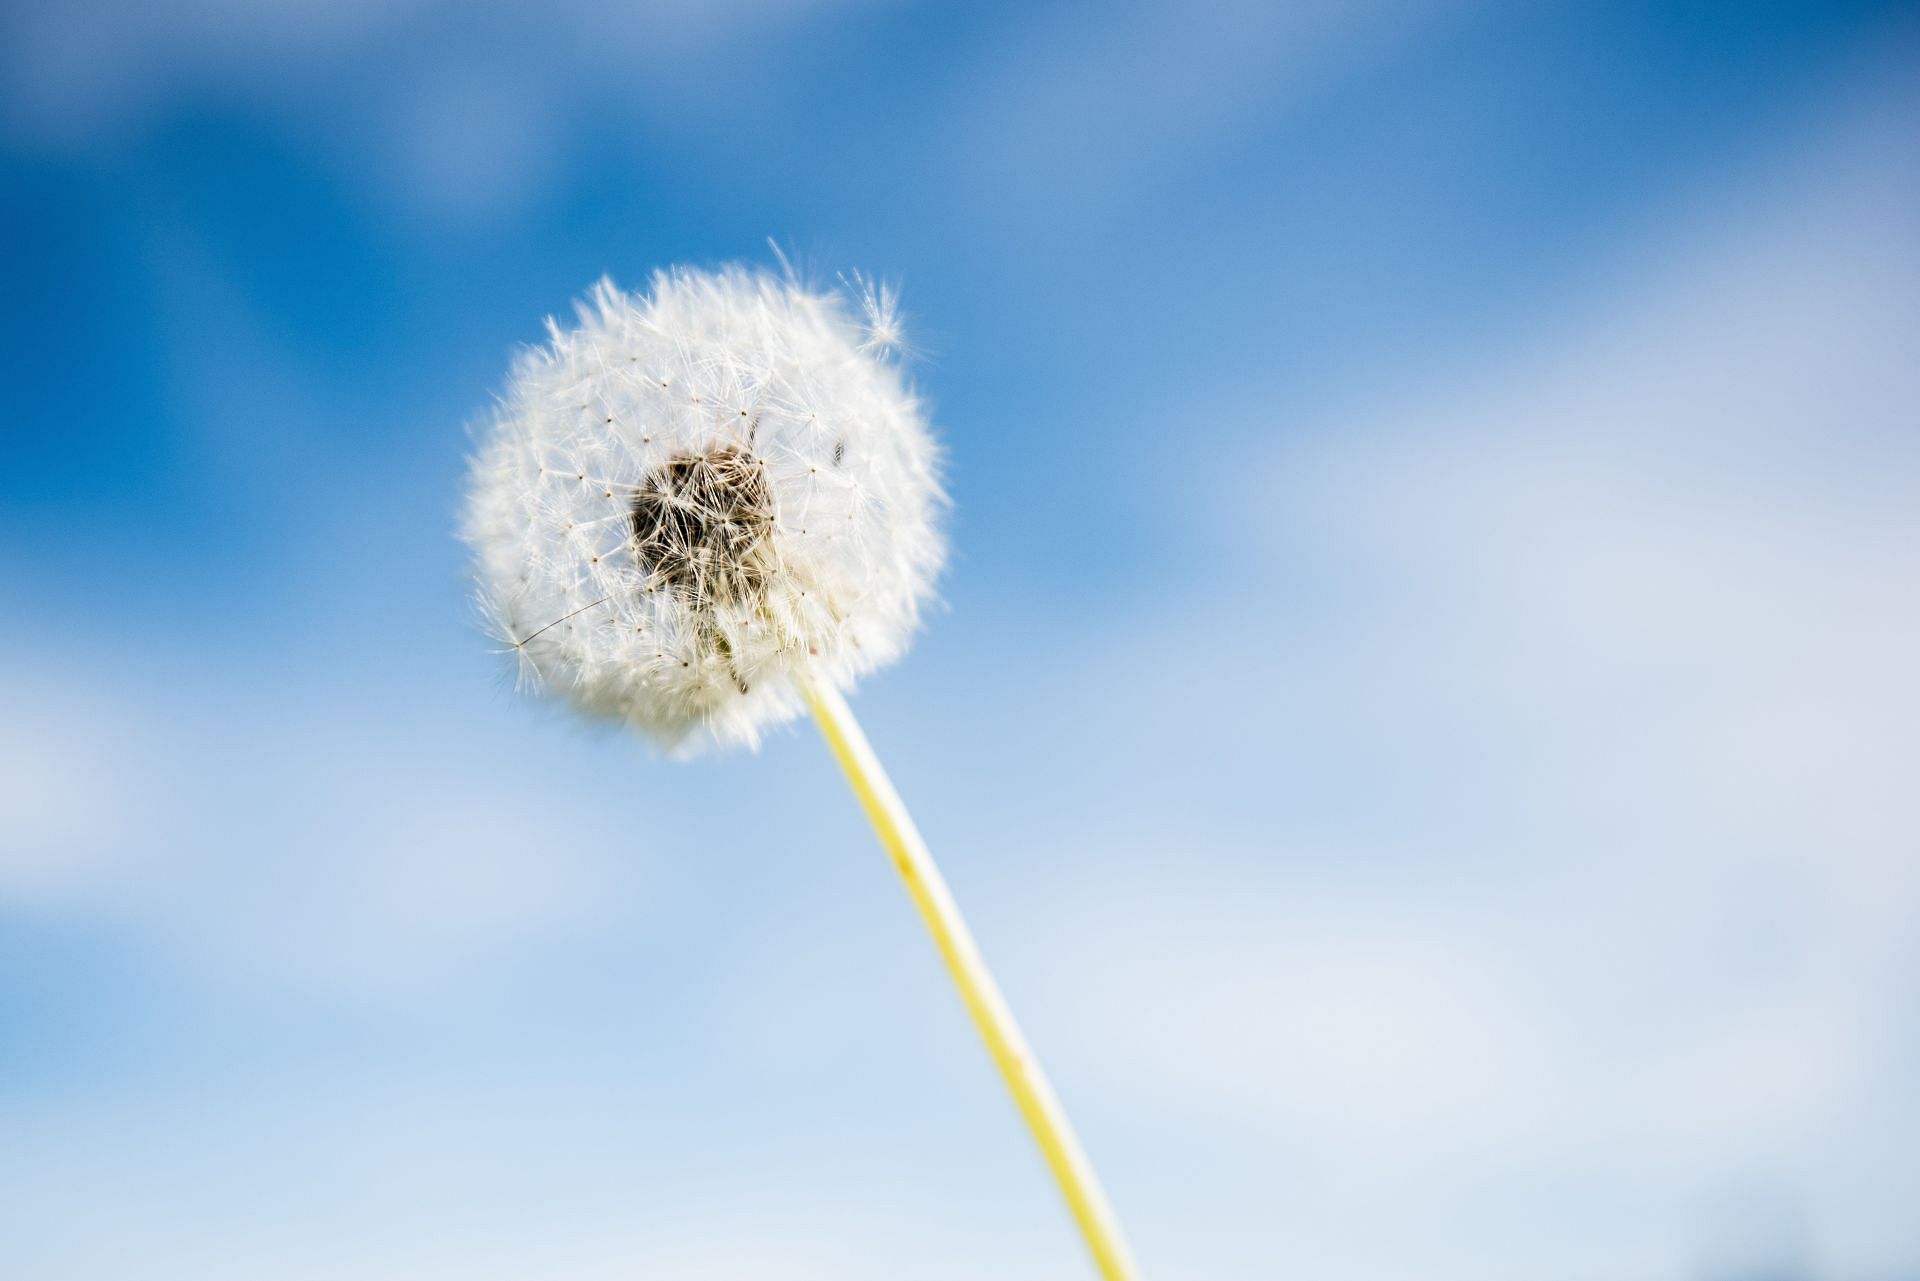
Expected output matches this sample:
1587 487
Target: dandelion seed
881 332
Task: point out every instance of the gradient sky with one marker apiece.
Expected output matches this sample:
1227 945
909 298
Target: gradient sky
1423 717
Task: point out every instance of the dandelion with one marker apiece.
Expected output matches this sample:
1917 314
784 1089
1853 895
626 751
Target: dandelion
702 511
685 501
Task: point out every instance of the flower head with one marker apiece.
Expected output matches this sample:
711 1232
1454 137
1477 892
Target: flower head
687 497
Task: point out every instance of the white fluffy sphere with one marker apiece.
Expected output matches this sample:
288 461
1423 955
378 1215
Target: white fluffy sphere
689 497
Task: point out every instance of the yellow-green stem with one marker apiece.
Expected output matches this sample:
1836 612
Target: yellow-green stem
1009 1048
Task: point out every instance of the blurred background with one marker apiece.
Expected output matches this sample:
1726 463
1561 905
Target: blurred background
1424 716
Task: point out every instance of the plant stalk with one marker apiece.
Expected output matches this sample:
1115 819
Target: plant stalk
1011 1054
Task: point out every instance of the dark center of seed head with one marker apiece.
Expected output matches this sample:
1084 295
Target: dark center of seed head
701 522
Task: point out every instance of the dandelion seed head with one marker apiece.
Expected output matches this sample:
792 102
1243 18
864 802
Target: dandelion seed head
687 496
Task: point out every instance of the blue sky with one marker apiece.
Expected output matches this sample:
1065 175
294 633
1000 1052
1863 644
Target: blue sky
1422 718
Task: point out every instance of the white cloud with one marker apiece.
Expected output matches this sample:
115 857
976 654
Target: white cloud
322 848
1077 111
460 109
72 784
1580 691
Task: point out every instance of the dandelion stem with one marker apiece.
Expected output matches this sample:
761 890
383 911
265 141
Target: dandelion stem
1011 1054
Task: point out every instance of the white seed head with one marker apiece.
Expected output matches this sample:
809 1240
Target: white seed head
687 497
